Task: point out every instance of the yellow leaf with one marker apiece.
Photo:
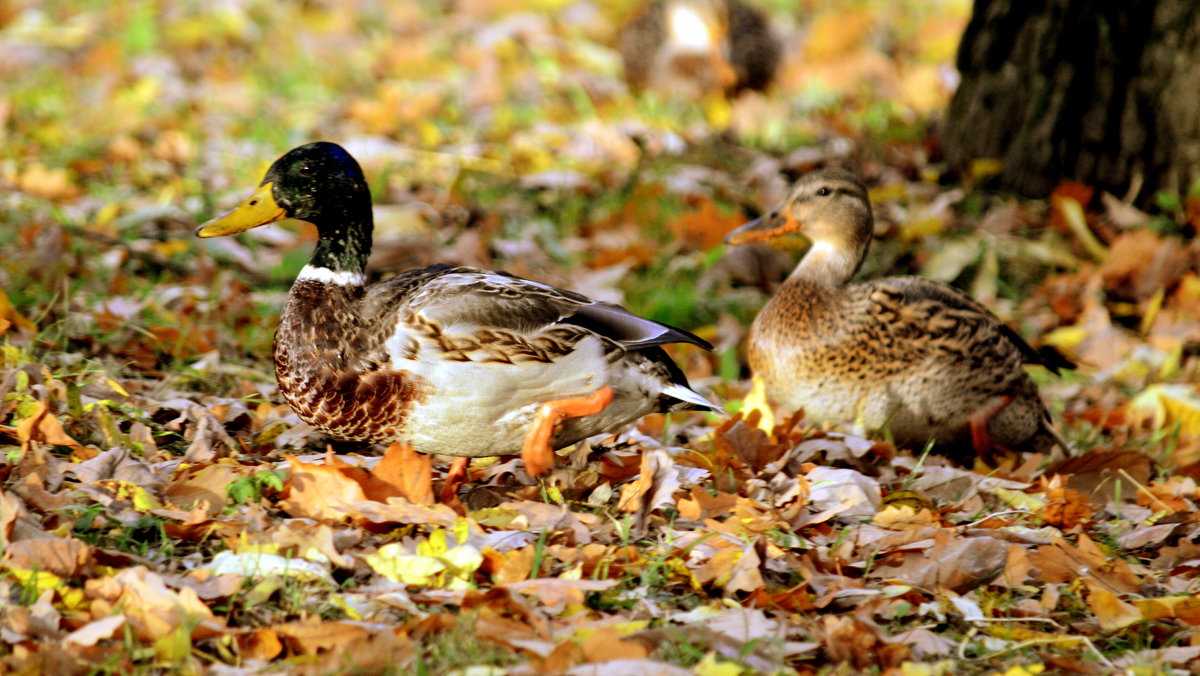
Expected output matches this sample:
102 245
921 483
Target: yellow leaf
718 111
392 562
1073 216
433 565
116 386
1024 670
176 646
1065 338
73 598
142 499
39 579
985 167
1171 404
709 666
1034 502
756 400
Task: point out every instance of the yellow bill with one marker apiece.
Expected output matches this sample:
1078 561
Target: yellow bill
259 209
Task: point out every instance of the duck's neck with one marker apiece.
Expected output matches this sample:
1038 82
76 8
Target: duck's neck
342 249
827 265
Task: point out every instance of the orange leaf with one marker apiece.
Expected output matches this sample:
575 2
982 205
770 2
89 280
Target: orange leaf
1111 612
405 473
9 316
516 566
606 644
263 644
320 491
309 638
1186 608
44 427
705 227
1066 508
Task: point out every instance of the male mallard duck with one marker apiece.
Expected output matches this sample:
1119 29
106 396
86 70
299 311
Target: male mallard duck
451 360
913 355
693 48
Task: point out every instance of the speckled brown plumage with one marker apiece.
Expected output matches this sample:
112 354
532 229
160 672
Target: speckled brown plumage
918 357
332 366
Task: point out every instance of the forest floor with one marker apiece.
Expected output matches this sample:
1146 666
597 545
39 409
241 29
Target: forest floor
162 510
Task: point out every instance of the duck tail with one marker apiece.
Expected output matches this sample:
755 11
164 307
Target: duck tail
692 400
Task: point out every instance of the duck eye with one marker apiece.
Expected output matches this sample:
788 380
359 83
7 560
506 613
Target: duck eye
824 191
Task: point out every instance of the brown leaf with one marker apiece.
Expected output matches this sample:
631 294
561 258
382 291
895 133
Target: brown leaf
1062 562
205 486
732 570
960 564
1142 263
95 631
556 592
154 610
702 506
855 641
65 557
11 509
117 464
654 488
1098 472
309 638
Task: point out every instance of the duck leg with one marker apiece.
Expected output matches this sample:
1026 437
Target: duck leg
981 439
537 452
455 477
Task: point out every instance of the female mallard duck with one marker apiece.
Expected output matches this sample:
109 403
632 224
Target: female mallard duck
450 360
694 48
911 354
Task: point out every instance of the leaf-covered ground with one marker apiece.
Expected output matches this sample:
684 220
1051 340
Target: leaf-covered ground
163 511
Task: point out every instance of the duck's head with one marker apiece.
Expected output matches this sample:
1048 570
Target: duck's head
317 182
830 209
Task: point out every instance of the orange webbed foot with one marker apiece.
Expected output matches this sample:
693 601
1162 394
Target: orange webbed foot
537 451
981 439
455 477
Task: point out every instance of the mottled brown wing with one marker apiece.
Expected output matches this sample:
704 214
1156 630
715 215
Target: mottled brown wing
913 290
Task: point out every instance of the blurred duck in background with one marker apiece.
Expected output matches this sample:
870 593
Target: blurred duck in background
698 48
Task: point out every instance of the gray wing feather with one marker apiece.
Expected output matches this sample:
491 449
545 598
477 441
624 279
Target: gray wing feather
462 296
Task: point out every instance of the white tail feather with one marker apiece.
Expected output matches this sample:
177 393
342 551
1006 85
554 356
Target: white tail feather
684 394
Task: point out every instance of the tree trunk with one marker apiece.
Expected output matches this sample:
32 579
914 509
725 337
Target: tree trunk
1106 92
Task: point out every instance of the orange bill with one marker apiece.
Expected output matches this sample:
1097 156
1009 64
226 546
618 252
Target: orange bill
775 224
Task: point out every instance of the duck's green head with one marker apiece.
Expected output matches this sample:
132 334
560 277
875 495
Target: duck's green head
319 183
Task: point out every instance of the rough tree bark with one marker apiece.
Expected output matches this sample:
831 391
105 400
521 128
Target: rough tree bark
1106 92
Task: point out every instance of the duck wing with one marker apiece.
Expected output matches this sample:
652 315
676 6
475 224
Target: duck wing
464 299
962 309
